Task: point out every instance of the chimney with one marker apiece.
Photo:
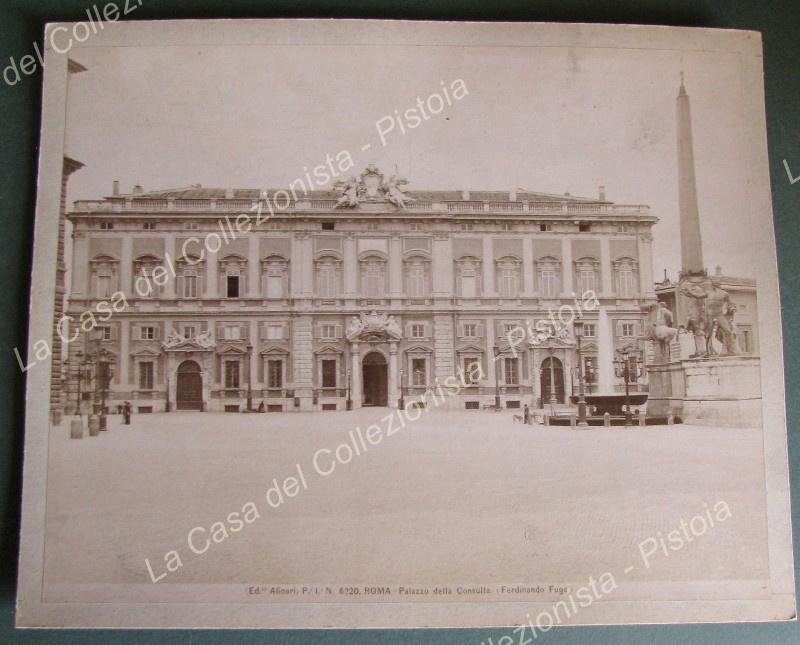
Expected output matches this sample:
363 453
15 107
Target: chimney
602 193
566 195
512 195
718 270
137 189
229 193
465 195
115 188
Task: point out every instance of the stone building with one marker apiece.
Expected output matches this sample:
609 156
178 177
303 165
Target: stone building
368 294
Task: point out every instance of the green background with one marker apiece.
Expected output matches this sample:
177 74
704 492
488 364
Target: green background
21 24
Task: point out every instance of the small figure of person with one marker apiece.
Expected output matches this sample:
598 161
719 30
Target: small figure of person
126 413
526 415
261 406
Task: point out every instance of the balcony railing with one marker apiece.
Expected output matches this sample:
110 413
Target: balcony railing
247 205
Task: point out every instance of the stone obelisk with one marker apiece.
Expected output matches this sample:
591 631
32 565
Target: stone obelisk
691 244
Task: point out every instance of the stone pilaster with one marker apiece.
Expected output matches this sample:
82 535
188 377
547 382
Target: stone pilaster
355 374
443 350
488 287
529 286
303 360
606 276
442 265
394 392
126 267
567 270
350 266
212 274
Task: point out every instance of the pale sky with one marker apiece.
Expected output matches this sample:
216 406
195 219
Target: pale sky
547 119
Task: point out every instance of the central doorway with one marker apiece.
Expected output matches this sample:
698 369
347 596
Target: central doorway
375 378
189 391
552 374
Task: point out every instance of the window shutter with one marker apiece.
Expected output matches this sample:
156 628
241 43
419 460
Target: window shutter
219 330
479 329
338 329
243 329
618 326
157 332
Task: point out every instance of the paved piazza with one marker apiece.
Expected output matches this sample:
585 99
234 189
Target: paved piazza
450 492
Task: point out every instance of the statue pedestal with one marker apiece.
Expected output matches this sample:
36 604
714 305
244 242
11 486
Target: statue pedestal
718 391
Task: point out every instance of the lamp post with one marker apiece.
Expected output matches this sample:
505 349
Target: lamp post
102 376
249 349
577 327
349 401
496 351
402 402
622 368
589 374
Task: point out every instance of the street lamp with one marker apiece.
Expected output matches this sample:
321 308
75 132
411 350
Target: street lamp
622 368
103 375
402 402
103 381
349 402
496 350
589 374
249 357
577 327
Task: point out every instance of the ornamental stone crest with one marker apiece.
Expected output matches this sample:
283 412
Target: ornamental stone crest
175 341
370 186
373 326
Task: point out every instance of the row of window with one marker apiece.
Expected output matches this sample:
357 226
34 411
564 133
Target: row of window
328 277
332 331
418 373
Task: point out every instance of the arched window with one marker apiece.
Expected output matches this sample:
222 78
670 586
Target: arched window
626 272
190 277
144 283
508 278
373 276
328 276
468 277
586 275
549 273
233 273
104 276
417 271
275 271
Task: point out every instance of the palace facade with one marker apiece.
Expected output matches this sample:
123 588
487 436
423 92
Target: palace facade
367 295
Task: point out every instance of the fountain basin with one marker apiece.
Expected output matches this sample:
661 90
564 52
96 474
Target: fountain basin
611 403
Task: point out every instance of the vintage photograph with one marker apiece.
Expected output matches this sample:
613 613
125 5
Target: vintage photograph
384 324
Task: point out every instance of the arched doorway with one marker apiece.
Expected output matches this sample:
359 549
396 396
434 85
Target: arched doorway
376 382
552 374
189 387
